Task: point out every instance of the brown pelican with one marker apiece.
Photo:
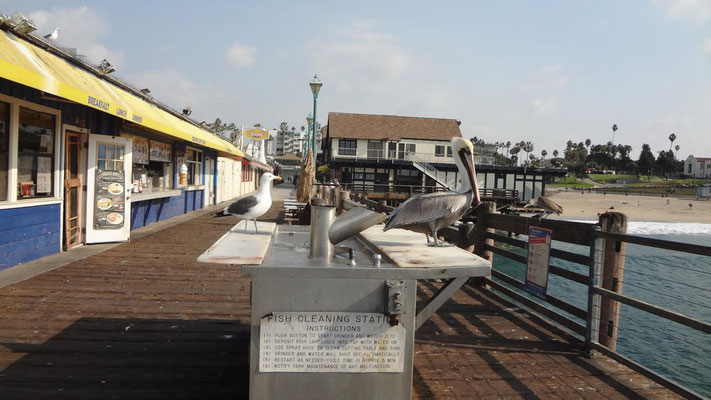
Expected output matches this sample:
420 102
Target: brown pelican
254 206
546 204
430 212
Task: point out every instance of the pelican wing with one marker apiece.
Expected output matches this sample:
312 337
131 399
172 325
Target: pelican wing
427 208
242 205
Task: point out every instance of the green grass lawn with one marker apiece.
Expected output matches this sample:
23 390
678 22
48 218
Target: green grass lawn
571 182
606 179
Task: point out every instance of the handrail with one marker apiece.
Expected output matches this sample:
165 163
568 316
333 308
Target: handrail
593 238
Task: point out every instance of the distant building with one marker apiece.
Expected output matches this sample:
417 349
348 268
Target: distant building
697 167
380 153
288 142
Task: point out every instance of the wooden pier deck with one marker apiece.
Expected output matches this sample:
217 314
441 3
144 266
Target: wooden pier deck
146 320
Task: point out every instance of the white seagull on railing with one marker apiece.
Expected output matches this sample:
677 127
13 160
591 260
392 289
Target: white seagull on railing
54 35
254 206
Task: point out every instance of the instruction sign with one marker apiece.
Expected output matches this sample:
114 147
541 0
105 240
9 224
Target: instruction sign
539 255
330 342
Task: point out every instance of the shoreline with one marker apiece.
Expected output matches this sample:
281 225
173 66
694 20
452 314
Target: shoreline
644 208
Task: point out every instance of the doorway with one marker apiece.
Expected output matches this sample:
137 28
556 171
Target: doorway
73 194
108 203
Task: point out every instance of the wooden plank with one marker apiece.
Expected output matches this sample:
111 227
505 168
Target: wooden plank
658 243
410 250
564 231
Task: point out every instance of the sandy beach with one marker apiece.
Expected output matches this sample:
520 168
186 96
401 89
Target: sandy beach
637 208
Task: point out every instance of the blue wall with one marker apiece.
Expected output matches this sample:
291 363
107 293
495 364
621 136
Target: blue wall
147 212
28 233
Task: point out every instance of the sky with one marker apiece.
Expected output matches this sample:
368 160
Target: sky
545 72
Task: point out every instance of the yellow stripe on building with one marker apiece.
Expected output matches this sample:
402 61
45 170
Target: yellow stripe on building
29 65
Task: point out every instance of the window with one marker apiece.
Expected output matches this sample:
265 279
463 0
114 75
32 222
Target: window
392 149
35 154
689 168
405 149
4 148
449 151
439 151
194 163
375 149
347 147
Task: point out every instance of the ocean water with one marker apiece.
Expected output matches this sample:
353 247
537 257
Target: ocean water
676 281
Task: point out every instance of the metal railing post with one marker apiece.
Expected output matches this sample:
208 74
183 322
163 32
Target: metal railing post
592 324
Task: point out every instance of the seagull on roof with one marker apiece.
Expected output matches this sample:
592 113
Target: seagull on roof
254 206
54 35
430 212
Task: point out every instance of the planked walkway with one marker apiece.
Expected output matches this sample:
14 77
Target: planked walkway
146 320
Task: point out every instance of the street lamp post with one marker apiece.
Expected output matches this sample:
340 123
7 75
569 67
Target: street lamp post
315 88
309 122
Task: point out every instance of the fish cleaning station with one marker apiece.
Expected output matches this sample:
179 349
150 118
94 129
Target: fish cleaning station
333 304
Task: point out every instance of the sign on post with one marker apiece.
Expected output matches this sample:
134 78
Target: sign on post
539 255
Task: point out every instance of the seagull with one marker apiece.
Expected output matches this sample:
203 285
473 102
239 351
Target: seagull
546 204
254 206
53 35
430 212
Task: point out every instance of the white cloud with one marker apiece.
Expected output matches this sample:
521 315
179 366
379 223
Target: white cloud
359 56
694 10
544 105
171 87
707 46
370 71
240 55
81 28
550 77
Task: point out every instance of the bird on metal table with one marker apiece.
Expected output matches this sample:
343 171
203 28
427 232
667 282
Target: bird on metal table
430 212
254 206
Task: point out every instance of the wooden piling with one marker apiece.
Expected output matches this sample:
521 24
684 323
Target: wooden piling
482 213
613 268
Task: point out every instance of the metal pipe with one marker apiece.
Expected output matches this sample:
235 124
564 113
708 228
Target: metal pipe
321 219
352 222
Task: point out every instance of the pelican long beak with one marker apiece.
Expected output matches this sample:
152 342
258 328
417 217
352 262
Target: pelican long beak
468 161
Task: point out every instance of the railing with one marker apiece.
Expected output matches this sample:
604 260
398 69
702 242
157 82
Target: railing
595 317
374 154
484 193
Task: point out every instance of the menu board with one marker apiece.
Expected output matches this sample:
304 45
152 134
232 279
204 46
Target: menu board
109 199
140 148
160 151
44 174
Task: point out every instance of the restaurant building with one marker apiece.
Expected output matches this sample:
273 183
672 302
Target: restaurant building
86 158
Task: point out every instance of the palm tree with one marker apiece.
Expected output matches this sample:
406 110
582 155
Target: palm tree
527 147
587 144
672 138
614 129
514 150
544 153
555 153
677 147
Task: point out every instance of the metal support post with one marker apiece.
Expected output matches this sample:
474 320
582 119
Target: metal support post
594 280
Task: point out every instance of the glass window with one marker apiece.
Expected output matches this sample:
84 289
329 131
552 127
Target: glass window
35 154
347 147
439 151
449 151
194 162
375 149
4 148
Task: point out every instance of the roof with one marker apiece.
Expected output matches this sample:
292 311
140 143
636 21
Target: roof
288 157
703 158
56 73
393 127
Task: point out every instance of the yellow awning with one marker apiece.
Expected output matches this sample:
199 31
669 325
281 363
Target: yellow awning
27 64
